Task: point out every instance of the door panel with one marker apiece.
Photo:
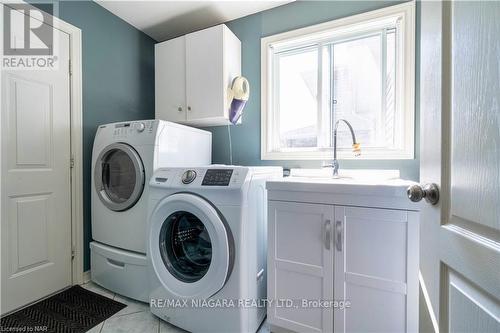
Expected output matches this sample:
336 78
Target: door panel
30 115
298 255
35 192
29 221
466 302
460 152
475 120
375 269
375 306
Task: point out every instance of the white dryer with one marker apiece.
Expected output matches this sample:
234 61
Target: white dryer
207 246
124 158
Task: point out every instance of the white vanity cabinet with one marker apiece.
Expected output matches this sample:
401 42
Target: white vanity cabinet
193 74
355 245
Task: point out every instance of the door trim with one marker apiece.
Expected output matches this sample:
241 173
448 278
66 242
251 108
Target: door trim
76 142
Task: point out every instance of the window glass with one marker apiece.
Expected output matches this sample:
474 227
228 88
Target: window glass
357 84
357 90
298 107
360 69
389 115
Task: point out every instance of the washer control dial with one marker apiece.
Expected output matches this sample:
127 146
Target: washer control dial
140 127
188 176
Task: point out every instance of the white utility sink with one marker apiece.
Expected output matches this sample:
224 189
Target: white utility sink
349 175
358 185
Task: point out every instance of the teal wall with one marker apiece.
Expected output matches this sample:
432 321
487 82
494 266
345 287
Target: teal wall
250 29
118 80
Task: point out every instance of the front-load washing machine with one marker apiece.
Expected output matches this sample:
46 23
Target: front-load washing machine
207 247
124 158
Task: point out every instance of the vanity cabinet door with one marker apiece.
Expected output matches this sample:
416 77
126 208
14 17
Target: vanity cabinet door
300 265
376 269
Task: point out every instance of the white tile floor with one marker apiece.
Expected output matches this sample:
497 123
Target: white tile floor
136 317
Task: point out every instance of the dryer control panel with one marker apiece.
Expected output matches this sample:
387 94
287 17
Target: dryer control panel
132 128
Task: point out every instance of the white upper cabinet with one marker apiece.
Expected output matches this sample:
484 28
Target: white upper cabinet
193 75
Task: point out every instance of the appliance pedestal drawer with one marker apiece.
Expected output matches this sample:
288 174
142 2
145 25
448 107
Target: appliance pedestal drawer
122 272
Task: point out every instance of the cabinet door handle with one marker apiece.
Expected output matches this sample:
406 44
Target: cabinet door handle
179 109
338 235
327 233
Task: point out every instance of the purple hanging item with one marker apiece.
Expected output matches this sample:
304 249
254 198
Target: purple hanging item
236 110
240 93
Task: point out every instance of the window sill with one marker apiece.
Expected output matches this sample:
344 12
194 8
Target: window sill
341 155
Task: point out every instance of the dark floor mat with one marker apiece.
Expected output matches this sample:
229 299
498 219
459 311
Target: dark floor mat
71 311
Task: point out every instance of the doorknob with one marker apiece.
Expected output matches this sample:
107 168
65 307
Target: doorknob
429 191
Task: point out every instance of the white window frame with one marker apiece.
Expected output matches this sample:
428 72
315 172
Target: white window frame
404 15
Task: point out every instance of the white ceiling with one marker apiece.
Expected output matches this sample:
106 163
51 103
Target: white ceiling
163 20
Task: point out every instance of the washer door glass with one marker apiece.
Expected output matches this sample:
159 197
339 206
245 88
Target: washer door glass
185 246
191 246
119 176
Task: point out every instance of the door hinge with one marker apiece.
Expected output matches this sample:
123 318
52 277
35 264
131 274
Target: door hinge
70 68
72 162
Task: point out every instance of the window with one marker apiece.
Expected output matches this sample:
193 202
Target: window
359 68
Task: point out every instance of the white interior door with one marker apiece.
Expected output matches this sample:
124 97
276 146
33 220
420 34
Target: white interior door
460 144
35 191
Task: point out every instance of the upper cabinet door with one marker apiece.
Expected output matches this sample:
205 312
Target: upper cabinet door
204 74
170 80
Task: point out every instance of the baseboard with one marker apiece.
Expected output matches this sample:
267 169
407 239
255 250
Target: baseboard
86 276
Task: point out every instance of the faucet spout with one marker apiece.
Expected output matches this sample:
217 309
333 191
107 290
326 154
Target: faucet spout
355 145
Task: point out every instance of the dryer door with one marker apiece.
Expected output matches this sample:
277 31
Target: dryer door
191 246
119 176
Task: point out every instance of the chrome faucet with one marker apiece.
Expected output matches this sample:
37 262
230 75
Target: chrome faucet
356 147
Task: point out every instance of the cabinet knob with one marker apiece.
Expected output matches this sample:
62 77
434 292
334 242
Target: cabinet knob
179 109
189 108
428 191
